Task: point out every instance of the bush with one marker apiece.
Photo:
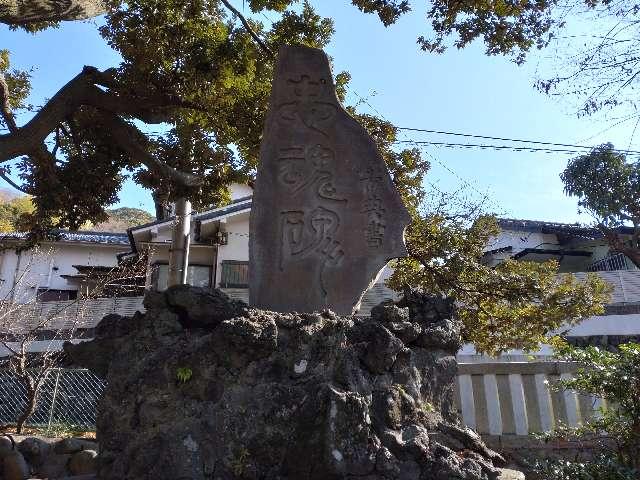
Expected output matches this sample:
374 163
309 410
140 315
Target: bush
615 377
601 467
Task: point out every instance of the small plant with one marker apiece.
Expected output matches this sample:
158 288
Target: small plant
239 462
184 374
615 431
427 407
400 388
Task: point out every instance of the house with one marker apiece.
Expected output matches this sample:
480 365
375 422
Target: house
575 247
219 257
219 252
56 270
504 396
578 250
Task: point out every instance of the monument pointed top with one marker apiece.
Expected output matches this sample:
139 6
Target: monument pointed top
326 217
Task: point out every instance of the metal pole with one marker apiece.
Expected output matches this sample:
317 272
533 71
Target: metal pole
53 400
180 241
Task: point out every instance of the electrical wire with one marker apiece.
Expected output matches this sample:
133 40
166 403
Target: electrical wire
518 140
484 146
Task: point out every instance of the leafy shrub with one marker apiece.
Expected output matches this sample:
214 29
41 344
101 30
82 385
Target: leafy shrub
613 376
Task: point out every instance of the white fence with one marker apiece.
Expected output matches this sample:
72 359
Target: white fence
626 284
64 315
87 313
514 398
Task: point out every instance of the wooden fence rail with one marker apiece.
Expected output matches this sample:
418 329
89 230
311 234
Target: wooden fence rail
515 398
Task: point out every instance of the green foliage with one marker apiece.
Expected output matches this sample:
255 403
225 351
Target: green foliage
606 185
506 27
12 210
601 467
184 374
306 28
513 305
133 216
615 377
18 81
389 11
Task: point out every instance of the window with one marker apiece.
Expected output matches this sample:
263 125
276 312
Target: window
197 275
234 274
51 295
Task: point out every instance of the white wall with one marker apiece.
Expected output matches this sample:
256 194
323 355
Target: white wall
520 240
239 190
44 266
237 248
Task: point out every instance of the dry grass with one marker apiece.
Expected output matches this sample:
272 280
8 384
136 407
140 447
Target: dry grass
55 431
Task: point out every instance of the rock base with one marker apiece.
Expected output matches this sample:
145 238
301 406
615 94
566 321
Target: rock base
202 387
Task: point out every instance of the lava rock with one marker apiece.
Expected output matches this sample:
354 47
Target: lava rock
265 395
83 462
201 307
73 445
443 334
14 466
34 450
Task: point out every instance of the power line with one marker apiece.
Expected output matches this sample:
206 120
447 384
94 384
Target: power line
485 196
485 146
506 139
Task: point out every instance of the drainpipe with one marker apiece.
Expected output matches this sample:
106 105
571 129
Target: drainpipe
15 276
180 241
214 270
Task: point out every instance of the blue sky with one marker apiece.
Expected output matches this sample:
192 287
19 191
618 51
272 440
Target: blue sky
459 91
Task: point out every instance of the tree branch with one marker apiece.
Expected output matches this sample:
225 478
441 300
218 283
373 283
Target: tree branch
5 107
82 90
617 245
247 27
131 140
7 179
27 12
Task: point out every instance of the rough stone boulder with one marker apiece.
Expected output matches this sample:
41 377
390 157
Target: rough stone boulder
239 393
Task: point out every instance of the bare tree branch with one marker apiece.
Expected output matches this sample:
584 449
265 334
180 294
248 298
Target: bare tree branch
82 90
7 179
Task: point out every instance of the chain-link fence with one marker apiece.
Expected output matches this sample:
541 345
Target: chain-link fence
67 397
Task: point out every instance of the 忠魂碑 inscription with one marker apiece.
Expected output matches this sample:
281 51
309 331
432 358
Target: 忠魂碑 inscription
325 215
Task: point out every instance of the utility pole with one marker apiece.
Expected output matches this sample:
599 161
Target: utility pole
180 241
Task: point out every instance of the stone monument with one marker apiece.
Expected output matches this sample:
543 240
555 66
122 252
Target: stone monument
326 216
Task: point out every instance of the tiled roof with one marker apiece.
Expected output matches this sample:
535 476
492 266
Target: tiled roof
236 205
554 227
105 238
220 212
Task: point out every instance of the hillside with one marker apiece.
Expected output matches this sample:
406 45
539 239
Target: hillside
13 205
120 219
